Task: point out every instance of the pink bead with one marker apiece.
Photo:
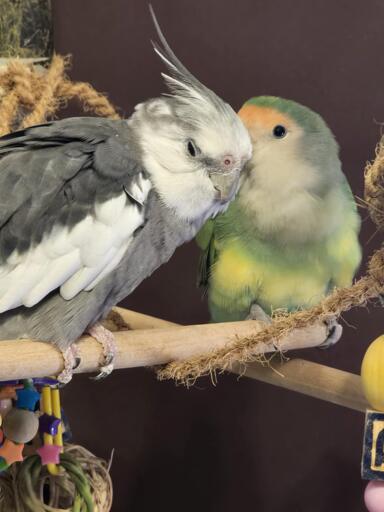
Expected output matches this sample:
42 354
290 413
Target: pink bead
374 496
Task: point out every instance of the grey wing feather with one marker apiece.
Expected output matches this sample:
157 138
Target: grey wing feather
54 173
71 198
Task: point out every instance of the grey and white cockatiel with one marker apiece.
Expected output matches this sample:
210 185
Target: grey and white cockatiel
90 207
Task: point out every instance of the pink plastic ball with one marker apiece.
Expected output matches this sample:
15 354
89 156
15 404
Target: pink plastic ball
374 496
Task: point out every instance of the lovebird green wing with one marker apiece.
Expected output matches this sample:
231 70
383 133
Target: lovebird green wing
205 239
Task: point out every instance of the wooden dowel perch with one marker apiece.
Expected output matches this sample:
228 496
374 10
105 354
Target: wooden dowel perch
155 341
144 347
311 379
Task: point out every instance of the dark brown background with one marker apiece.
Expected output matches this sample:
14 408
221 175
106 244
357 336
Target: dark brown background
241 444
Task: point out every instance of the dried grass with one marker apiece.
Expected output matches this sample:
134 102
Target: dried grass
25 28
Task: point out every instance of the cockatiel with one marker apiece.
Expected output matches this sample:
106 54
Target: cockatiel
291 234
90 207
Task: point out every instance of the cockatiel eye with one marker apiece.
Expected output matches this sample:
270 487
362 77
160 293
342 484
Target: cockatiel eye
193 150
279 131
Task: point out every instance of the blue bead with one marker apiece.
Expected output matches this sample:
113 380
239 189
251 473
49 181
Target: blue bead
49 424
26 399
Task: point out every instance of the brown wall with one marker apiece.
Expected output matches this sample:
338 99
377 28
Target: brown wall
241 444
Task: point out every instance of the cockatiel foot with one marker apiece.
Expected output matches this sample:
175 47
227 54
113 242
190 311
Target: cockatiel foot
71 362
258 313
108 342
335 330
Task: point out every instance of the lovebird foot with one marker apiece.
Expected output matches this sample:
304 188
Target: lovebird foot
108 342
335 330
258 313
71 362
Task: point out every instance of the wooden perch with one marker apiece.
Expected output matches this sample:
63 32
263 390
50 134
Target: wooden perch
312 379
144 347
154 341
315 380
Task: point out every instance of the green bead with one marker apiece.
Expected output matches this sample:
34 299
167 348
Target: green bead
3 464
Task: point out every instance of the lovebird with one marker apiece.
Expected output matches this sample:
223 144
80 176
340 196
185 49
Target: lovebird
291 234
90 207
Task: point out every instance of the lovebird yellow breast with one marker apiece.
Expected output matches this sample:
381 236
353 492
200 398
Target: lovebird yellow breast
277 277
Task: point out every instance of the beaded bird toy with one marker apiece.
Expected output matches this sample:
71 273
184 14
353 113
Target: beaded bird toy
38 472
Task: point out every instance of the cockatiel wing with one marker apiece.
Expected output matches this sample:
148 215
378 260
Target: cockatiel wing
69 207
205 239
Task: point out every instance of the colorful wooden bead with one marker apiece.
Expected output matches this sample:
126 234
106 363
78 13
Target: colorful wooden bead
372 464
20 425
49 454
27 398
5 406
11 451
374 496
49 424
372 374
8 392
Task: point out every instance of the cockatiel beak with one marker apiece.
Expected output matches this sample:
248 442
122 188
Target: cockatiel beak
226 183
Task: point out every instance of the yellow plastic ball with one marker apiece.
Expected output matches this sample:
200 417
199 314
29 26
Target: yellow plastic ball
372 374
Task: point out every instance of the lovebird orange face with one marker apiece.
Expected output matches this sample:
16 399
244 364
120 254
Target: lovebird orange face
265 120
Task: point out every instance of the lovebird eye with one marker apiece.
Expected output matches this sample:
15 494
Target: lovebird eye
279 131
193 150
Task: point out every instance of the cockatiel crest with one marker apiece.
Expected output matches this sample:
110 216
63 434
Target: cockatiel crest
191 134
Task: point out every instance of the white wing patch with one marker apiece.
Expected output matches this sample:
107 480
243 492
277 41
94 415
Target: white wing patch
73 259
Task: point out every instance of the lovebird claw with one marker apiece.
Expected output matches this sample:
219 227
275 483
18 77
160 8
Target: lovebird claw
258 313
335 330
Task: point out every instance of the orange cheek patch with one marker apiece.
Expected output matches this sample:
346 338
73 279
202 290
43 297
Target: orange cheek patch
265 118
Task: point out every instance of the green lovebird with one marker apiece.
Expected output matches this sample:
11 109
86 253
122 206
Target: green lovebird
291 234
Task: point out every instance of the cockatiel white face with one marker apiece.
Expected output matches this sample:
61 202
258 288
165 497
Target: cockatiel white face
193 143
194 166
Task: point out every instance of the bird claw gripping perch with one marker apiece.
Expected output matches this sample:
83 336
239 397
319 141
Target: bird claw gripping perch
334 332
71 361
108 342
257 313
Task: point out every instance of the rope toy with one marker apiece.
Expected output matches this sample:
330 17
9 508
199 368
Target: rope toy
38 472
